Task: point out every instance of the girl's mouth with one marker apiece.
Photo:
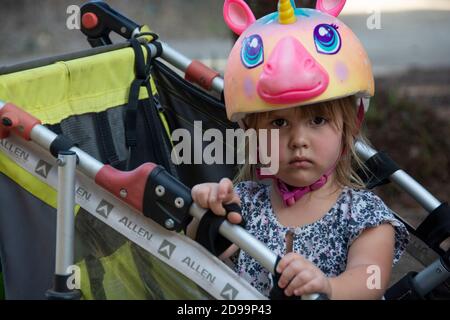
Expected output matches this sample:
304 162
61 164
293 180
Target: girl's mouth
301 163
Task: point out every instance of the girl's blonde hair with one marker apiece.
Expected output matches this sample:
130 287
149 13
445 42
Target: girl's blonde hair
349 163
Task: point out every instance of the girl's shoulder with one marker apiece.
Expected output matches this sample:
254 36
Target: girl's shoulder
360 206
364 210
363 200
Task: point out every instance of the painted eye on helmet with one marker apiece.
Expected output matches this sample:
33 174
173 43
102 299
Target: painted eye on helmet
327 39
252 54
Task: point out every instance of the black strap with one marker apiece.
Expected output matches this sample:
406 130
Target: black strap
208 230
278 294
154 41
56 128
404 289
142 77
106 142
61 143
436 227
381 167
156 132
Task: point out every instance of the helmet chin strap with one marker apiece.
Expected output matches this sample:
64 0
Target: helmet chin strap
291 195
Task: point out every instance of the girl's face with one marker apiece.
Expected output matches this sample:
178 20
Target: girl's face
309 144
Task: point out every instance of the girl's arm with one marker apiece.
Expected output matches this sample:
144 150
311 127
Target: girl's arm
369 266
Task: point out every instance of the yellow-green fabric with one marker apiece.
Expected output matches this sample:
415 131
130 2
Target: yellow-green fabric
27 181
121 279
55 92
92 85
58 91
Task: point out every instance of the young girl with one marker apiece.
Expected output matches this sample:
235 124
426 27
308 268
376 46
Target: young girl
335 237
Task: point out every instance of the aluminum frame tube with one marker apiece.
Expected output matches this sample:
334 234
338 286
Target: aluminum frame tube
431 277
65 223
403 180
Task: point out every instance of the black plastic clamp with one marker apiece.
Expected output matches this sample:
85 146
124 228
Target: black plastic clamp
167 201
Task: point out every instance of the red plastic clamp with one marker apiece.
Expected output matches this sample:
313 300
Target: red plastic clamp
14 119
128 186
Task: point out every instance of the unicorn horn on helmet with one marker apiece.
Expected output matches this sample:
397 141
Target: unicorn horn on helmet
286 12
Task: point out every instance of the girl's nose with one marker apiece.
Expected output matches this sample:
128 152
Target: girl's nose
298 137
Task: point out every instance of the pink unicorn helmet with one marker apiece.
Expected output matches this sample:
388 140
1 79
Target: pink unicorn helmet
293 57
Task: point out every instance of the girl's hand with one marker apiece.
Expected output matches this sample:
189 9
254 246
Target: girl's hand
213 195
299 277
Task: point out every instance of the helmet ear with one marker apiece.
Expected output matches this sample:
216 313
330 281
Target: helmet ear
238 15
332 7
361 114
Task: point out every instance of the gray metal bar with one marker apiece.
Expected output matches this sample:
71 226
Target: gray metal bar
87 164
136 32
431 277
248 243
182 62
64 57
415 190
175 58
65 225
403 180
218 84
243 239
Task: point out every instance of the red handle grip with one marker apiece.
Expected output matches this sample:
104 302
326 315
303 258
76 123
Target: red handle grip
14 119
129 186
200 74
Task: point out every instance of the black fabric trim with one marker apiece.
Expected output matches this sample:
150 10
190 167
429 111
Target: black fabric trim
436 227
381 167
278 294
61 143
159 48
232 207
105 139
155 130
218 114
404 289
141 69
208 230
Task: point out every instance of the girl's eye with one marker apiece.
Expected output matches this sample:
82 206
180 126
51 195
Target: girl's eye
252 54
327 39
279 123
318 121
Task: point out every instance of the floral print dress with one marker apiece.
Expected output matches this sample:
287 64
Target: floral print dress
325 242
